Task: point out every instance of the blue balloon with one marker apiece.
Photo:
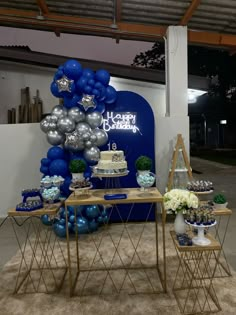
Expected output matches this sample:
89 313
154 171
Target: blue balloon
60 230
102 94
55 153
62 221
59 74
98 85
62 213
88 73
67 101
81 225
102 76
54 89
70 92
100 107
91 82
44 170
93 226
79 210
59 167
72 219
45 219
71 209
45 162
66 185
111 95
80 84
88 89
96 93
72 69
92 211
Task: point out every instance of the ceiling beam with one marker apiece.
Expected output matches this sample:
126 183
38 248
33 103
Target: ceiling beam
190 11
43 6
95 27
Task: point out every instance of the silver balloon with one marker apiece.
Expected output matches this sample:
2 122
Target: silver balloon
86 136
48 123
93 138
73 142
83 127
101 135
76 114
66 125
88 144
59 111
92 154
94 119
54 137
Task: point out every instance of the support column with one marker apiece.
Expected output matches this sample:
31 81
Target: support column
176 71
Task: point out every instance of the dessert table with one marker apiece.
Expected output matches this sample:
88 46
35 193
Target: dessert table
150 200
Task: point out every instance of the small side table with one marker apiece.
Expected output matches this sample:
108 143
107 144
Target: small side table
42 266
193 287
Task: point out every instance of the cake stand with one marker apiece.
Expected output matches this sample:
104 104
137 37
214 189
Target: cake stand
200 239
84 191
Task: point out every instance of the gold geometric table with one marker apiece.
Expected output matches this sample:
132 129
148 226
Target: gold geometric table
193 287
117 254
42 265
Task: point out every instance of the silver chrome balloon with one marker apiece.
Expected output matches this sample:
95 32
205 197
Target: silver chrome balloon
54 137
59 111
83 127
101 135
76 114
88 144
94 119
92 154
48 123
66 125
86 136
93 138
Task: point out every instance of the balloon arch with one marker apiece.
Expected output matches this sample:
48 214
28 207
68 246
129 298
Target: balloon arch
73 131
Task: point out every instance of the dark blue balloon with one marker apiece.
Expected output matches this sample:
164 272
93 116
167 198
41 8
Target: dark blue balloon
45 162
44 170
54 89
69 93
100 107
98 85
93 225
55 153
45 219
91 82
62 213
72 218
60 230
81 225
111 95
80 84
102 94
59 74
59 167
72 69
62 221
66 185
92 211
96 93
67 102
102 76
71 209
87 89
79 210
88 73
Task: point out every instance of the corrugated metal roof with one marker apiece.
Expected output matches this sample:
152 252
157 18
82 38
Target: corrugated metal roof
136 19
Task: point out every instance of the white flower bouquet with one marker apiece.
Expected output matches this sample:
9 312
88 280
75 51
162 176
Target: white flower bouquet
177 200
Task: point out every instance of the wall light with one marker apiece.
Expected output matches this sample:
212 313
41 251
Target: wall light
223 122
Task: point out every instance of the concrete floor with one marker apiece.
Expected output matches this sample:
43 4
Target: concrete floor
224 180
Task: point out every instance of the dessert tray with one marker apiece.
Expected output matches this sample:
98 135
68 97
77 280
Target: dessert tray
200 239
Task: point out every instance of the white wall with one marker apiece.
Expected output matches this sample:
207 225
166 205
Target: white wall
24 145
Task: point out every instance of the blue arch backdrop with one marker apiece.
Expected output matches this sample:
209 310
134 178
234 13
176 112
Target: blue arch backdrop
133 117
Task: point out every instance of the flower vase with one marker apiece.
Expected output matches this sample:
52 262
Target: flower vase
179 224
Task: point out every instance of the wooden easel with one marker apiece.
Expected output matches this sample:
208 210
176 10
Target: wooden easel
179 145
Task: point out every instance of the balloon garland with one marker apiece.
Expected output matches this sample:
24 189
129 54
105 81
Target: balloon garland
75 126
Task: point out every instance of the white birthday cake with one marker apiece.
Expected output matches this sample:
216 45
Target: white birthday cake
110 162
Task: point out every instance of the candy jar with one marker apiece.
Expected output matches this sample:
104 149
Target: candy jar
50 195
145 179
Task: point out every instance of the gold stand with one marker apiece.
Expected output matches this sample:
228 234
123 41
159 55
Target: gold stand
42 266
193 287
113 265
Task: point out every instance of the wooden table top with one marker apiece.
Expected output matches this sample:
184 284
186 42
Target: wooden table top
134 195
50 211
215 245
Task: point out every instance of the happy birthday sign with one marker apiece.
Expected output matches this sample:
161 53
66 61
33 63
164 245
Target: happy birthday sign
120 121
